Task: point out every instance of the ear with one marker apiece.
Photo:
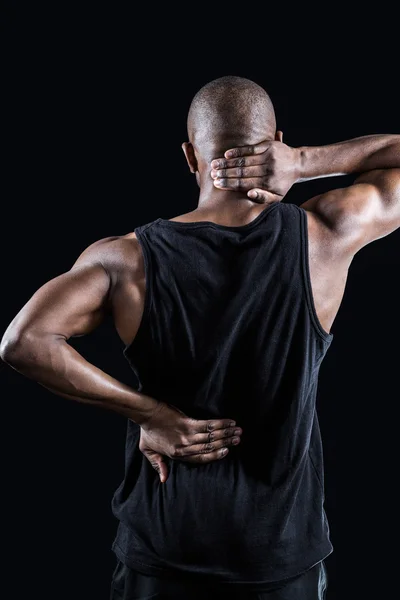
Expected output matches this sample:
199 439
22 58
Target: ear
279 136
188 150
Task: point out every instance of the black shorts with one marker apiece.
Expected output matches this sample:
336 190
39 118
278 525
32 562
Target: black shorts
131 585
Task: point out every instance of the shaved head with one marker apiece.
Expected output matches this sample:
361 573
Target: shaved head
228 112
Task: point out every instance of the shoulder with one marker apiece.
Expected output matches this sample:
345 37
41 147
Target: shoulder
340 218
116 254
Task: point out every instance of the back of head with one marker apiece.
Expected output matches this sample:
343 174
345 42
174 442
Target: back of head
228 112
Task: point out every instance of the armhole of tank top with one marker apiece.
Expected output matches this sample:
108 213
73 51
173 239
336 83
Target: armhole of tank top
148 295
327 337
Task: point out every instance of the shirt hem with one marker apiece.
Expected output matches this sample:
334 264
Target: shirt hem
318 555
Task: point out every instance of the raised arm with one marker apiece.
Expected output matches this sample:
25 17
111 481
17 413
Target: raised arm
360 213
359 155
272 167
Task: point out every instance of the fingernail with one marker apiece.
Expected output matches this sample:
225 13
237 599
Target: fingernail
235 441
253 194
213 173
217 182
224 451
228 154
233 423
237 432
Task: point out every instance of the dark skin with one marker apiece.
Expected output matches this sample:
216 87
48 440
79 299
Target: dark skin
109 278
340 222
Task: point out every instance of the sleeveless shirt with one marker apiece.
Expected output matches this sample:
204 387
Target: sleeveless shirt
229 330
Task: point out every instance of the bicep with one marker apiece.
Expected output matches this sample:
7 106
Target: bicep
383 202
361 213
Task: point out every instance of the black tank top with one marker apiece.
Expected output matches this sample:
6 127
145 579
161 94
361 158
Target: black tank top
229 330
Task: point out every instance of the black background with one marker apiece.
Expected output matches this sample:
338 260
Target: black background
93 119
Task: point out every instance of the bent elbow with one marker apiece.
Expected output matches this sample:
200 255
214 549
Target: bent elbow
11 348
15 348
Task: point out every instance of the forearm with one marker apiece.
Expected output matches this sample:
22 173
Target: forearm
61 369
353 156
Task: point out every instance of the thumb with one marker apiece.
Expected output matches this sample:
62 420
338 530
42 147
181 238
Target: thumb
261 196
158 463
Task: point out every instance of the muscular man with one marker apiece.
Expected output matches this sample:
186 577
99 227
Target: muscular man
224 311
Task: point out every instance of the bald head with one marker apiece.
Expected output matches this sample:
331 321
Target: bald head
229 112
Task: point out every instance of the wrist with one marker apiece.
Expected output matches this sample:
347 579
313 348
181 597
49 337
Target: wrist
299 163
314 162
147 418
145 409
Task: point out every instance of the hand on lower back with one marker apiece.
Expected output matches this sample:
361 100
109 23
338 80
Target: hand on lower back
169 432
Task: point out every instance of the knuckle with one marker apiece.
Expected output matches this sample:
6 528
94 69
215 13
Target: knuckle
207 448
211 436
189 426
227 432
240 172
241 162
210 426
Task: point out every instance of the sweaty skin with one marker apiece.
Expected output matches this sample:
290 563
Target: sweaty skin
109 277
340 222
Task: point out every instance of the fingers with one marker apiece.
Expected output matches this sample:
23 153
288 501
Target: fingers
247 150
208 440
242 185
206 457
244 161
205 426
239 172
214 436
197 449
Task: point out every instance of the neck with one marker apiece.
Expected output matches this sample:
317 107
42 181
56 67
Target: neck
226 202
